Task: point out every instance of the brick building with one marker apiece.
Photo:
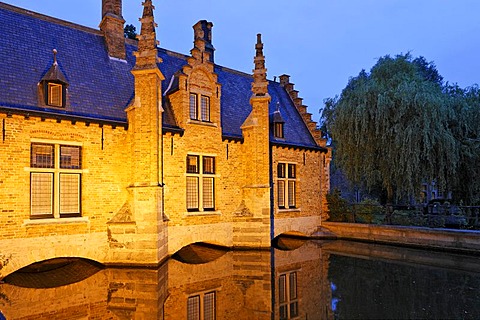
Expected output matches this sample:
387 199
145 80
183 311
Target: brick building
122 152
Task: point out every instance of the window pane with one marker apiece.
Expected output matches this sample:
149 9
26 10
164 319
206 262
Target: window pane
291 171
209 306
293 285
193 308
55 94
41 185
69 193
278 130
42 155
193 106
192 193
281 170
192 164
208 193
282 289
281 193
209 165
291 193
283 313
70 157
205 108
294 309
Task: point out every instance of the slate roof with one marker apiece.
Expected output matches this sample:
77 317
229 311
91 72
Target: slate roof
101 87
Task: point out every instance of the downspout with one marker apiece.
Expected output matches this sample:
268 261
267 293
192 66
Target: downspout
272 231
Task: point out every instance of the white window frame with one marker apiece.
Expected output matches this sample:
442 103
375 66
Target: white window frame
201 176
56 172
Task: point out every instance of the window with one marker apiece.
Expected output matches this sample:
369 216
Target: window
286 185
204 113
55 180
200 183
193 106
288 298
195 305
278 129
55 94
205 108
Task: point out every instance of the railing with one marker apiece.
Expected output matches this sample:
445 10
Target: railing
434 215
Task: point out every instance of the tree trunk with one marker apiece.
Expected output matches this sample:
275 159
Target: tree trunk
389 206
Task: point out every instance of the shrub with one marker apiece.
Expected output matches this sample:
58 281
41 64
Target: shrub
338 208
369 211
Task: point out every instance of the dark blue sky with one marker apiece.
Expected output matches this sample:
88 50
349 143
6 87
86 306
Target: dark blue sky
319 43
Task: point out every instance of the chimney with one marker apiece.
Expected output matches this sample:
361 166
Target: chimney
112 28
203 37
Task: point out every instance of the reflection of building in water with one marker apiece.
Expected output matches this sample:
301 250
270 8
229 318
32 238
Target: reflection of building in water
108 294
301 287
237 285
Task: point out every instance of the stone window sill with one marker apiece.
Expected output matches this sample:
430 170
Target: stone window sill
289 210
56 221
203 213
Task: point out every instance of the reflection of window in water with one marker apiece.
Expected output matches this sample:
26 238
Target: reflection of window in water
201 302
288 298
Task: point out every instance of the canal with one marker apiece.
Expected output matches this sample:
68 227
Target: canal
297 280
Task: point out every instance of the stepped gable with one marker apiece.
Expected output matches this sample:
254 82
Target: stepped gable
102 88
298 102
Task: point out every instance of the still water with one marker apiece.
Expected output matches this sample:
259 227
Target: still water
313 280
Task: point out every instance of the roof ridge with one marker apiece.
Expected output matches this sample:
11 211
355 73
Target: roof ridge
44 17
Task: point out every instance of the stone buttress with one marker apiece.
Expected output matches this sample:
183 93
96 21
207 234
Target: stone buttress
138 233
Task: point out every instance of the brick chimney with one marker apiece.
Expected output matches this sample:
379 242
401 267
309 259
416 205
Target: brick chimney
112 27
203 37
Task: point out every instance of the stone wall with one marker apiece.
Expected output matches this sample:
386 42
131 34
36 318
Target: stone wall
310 195
103 178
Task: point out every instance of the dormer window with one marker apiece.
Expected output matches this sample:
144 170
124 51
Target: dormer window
278 129
53 86
277 122
54 95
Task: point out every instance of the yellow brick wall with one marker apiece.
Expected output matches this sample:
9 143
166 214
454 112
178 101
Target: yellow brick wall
310 193
104 177
103 191
129 171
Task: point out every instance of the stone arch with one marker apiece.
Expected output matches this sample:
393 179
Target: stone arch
88 246
299 226
216 234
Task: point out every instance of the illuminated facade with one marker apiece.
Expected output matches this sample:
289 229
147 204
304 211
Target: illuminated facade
122 152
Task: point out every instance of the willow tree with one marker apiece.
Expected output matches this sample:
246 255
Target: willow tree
391 128
466 128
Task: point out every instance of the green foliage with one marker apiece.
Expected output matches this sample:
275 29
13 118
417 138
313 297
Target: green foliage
369 211
392 128
338 208
409 218
466 129
130 31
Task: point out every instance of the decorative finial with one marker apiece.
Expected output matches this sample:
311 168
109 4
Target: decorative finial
278 106
55 56
259 85
147 57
